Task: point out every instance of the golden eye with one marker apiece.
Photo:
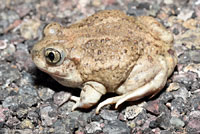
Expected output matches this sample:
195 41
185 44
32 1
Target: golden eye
52 56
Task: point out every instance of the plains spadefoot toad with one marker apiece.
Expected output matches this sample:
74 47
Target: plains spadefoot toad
108 52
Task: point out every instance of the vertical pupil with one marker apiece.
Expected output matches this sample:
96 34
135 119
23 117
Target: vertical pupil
51 56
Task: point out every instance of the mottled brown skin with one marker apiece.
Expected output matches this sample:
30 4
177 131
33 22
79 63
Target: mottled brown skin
109 52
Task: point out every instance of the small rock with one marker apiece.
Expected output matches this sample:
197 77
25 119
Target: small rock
7 17
61 97
45 93
11 102
29 28
166 97
195 86
94 117
59 127
189 38
174 121
195 56
33 116
12 122
178 105
168 2
3 112
165 132
190 24
8 74
48 114
153 107
4 93
193 68
21 113
186 78
26 124
184 58
108 115
195 102
28 90
163 122
182 93
116 127
132 111
8 51
71 124
28 100
23 60
173 87
193 123
93 127
185 14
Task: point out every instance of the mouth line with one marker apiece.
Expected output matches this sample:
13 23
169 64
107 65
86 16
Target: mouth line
52 74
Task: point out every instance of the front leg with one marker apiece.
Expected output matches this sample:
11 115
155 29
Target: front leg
90 95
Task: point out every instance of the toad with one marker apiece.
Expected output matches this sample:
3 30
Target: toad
108 52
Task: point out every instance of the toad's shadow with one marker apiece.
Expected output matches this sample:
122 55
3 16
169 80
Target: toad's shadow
43 79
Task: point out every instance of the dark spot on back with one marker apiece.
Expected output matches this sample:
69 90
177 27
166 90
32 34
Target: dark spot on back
171 52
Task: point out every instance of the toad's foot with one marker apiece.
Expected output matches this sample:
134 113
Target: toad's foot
90 95
108 101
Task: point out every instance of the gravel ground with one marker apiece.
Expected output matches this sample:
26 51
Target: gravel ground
33 103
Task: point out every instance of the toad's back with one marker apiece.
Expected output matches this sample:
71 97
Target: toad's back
109 44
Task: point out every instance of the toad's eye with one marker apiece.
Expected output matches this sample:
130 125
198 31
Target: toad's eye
52 56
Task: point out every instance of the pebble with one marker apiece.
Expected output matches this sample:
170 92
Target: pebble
7 17
116 127
48 114
178 104
28 90
188 39
186 79
153 107
168 2
3 113
29 28
59 127
21 113
176 122
26 124
8 51
193 123
185 14
33 116
61 97
46 93
192 68
184 58
181 93
163 122
109 115
195 56
12 122
173 87
8 74
166 97
23 60
191 24
195 103
132 111
93 127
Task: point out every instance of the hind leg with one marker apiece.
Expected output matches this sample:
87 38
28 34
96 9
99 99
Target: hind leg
150 88
147 78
